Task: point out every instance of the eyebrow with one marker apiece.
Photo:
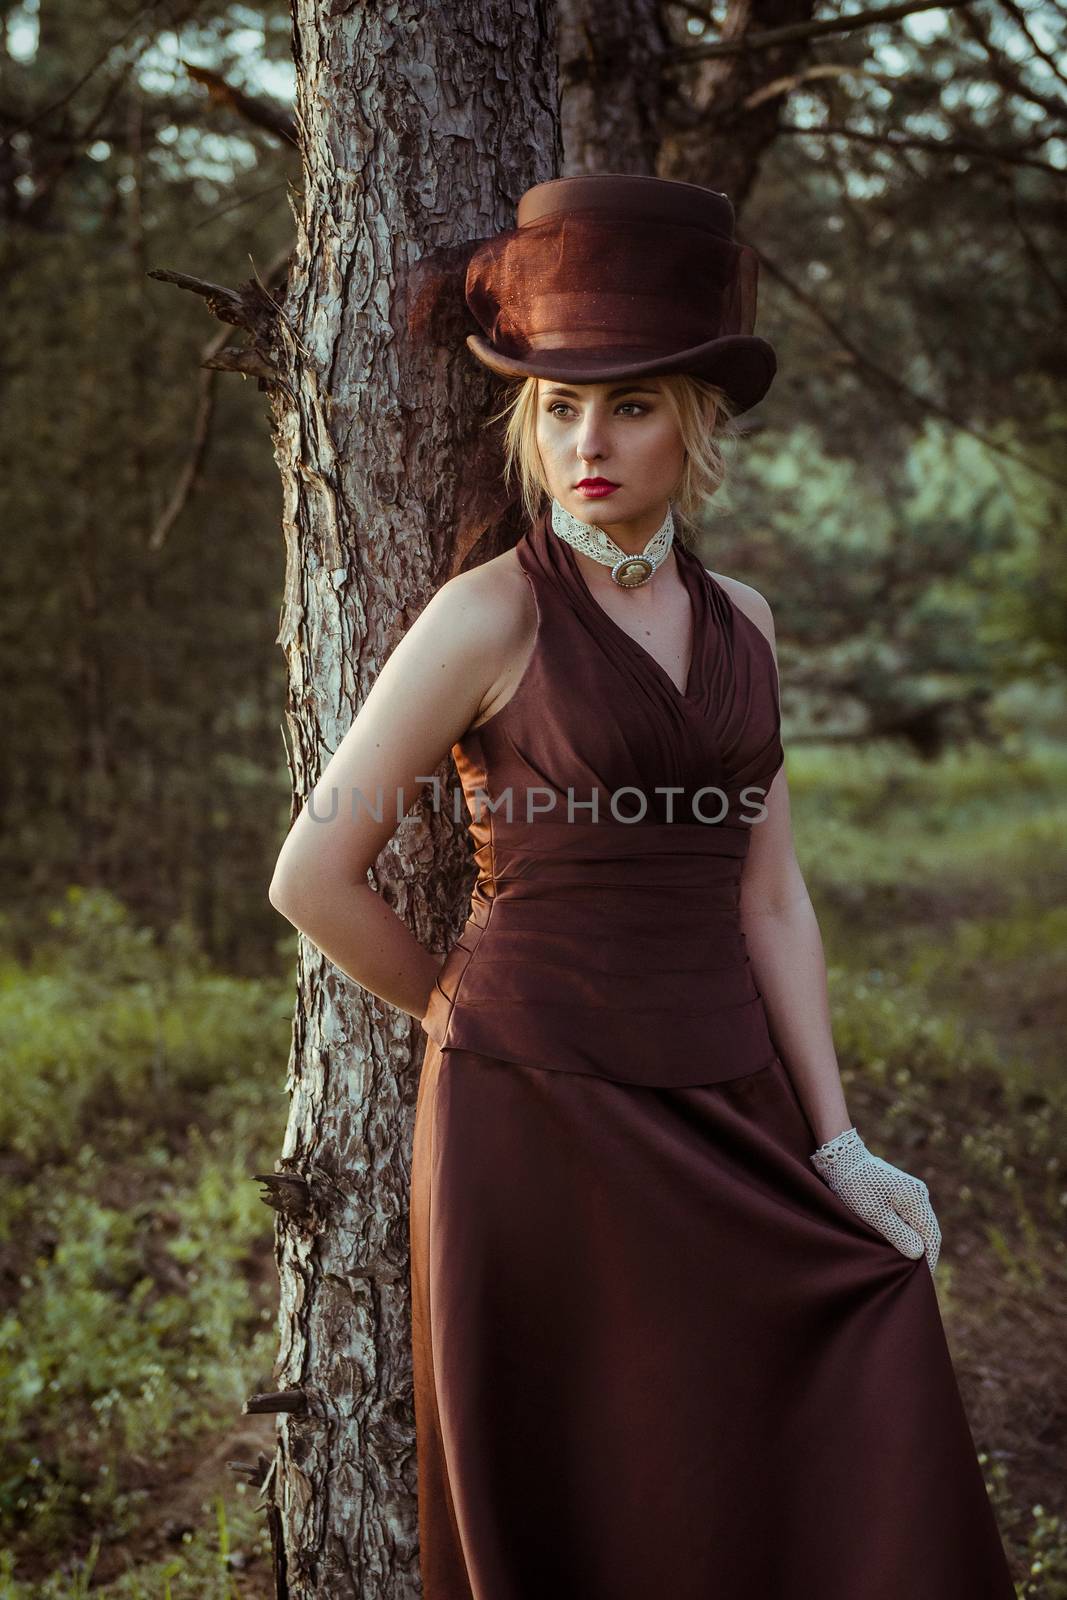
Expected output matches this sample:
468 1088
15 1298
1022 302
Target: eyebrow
626 389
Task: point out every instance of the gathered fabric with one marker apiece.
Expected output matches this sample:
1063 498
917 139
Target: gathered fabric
654 1351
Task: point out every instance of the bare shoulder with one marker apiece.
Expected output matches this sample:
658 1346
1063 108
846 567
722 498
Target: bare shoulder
500 578
750 601
429 690
491 604
483 623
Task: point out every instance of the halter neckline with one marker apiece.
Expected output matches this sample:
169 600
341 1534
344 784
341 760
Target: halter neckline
562 561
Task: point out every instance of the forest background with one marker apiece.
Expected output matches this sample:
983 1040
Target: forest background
900 501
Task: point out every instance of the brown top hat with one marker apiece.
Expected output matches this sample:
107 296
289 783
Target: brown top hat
619 275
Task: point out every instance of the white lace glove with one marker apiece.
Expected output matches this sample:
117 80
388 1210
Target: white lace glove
892 1201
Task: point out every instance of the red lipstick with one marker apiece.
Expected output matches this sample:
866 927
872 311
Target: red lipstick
596 488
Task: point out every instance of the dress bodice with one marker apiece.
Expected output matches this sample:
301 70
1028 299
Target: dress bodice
610 815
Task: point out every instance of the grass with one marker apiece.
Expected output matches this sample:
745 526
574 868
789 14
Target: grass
949 876
138 1091
208 1565
939 895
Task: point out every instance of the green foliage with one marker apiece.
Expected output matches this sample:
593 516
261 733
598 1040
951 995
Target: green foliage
210 1554
107 1018
134 1110
907 593
946 878
1041 1534
142 680
978 818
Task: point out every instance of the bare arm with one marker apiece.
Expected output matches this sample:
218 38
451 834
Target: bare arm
784 942
425 697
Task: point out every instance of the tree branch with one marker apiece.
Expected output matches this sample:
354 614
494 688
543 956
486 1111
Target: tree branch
795 32
90 71
890 380
1033 250
1022 21
266 114
1005 73
892 141
251 307
778 88
194 462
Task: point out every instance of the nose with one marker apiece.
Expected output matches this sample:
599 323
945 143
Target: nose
589 444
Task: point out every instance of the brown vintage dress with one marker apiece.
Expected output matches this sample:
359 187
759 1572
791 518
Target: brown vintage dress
654 1354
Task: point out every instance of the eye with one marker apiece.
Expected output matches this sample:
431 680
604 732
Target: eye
555 405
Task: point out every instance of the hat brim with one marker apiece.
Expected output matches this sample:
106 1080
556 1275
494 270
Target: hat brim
742 364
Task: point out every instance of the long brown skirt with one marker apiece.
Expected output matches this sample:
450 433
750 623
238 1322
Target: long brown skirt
655 1355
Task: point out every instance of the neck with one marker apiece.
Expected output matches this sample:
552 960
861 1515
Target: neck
631 536
631 566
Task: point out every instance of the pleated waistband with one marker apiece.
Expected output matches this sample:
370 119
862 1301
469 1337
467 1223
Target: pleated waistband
614 952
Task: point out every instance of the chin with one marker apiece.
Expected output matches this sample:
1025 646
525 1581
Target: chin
592 511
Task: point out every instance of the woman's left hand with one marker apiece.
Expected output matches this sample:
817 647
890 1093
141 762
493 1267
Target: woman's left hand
892 1201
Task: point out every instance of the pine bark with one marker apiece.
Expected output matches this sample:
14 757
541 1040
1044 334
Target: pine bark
612 89
419 126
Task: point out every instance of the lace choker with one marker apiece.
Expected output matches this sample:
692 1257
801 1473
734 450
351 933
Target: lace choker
626 570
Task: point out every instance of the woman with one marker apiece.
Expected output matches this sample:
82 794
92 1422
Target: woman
675 1328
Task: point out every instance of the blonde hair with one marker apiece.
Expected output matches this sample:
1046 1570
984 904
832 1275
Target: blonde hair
705 421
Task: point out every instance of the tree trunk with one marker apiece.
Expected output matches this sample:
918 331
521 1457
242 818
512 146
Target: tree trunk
727 110
612 90
420 127
627 109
